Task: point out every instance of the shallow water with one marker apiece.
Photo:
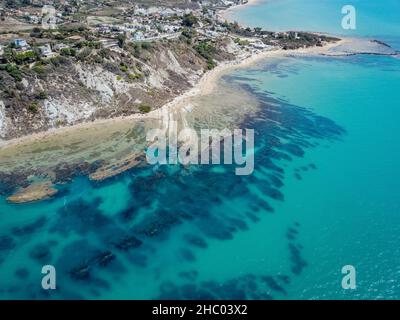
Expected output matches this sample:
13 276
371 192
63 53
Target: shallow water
376 19
349 207
323 195
174 232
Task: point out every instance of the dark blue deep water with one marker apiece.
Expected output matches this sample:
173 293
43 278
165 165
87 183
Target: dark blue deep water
324 194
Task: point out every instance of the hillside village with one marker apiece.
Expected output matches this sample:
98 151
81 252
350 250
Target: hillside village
134 24
92 60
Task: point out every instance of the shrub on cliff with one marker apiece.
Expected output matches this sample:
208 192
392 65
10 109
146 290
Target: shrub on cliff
33 107
188 35
189 20
57 61
144 108
211 64
206 50
68 52
25 57
123 67
84 53
38 68
12 70
41 95
135 76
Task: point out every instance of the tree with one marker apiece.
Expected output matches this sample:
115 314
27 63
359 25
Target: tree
189 20
121 40
27 56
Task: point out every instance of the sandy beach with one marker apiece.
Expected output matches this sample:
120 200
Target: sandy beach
227 13
205 86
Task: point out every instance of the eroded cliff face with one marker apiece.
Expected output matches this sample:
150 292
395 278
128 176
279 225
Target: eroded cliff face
105 83
3 120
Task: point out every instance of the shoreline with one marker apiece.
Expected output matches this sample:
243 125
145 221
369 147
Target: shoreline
212 76
225 13
206 85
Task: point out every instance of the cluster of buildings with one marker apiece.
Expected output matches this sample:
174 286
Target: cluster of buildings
45 50
145 24
32 15
139 24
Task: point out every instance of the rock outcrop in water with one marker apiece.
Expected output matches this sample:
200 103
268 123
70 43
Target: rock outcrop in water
34 192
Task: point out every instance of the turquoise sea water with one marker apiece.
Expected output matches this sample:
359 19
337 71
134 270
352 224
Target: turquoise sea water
349 208
374 18
324 194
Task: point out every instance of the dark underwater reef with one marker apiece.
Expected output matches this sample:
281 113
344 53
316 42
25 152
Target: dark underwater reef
164 201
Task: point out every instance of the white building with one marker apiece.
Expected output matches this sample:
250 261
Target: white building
109 43
60 46
34 19
169 28
147 12
138 36
141 11
20 43
212 34
46 51
167 13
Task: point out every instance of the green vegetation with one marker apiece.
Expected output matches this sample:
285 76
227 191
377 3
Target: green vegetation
41 95
207 51
146 45
72 28
189 20
25 57
60 122
68 52
235 28
188 35
135 76
98 59
84 54
242 42
121 40
38 68
89 44
211 64
57 61
103 53
12 70
232 27
123 67
36 33
144 108
33 107
8 54
137 49
9 93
